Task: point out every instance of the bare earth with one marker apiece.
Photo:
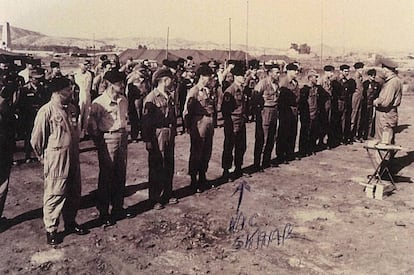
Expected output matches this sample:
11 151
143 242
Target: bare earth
307 217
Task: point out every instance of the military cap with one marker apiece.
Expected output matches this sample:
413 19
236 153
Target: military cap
254 64
292 67
137 75
103 57
204 71
372 72
85 62
232 61
359 65
160 74
212 64
329 68
54 64
105 63
312 72
171 64
271 66
388 63
204 64
59 83
238 69
344 67
37 73
189 57
165 62
114 76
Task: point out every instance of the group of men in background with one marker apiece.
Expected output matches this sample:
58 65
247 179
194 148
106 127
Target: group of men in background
57 111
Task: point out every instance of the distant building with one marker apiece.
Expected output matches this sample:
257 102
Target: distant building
5 38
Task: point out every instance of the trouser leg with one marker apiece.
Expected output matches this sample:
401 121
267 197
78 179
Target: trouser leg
240 147
118 182
259 141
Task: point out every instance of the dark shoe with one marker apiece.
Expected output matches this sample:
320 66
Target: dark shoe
76 229
237 174
158 206
121 214
51 238
106 221
193 181
173 201
3 224
202 180
226 175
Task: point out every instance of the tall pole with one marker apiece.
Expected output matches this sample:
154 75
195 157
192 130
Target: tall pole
321 33
247 33
168 36
94 53
229 38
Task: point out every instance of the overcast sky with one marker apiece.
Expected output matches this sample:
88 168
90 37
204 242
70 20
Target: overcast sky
375 24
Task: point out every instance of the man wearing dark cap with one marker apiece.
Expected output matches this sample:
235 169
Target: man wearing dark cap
198 112
158 133
107 126
265 107
234 113
7 130
348 87
189 62
386 117
184 86
33 95
370 93
356 103
137 88
55 140
288 114
310 106
54 71
98 84
329 107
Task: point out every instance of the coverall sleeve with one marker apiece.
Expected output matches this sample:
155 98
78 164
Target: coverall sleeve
40 134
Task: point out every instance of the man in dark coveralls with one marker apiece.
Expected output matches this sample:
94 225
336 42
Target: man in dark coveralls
33 95
7 121
198 112
370 93
288 114
348 87
158 132
311 105
234 113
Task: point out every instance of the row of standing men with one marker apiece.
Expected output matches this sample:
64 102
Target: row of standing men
275 100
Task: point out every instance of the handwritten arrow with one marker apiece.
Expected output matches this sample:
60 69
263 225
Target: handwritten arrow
242 185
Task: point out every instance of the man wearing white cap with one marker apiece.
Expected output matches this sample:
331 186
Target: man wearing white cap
386 104
84 79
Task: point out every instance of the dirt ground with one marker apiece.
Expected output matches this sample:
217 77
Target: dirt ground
307 217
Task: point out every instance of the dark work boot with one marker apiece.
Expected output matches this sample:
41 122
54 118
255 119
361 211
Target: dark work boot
52 238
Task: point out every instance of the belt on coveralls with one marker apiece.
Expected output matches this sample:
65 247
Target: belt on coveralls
120 130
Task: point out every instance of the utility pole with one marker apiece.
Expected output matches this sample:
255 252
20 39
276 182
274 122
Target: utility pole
321 33
247 33
229 38
168 36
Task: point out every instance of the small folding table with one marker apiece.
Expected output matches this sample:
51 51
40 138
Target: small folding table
379 154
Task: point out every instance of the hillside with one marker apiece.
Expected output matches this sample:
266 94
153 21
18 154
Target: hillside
23 39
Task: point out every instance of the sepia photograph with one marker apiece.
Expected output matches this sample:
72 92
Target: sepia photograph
206 137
